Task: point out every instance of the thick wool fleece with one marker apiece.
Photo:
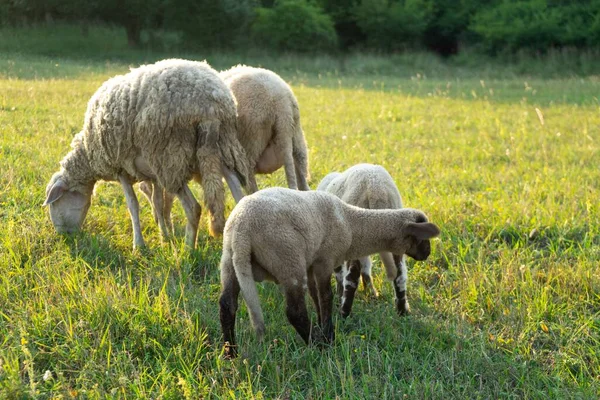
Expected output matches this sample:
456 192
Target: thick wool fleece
269 116
162 122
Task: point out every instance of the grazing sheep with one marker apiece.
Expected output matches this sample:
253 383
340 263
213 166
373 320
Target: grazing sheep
296 239
269 129
367 186
166 122
269 126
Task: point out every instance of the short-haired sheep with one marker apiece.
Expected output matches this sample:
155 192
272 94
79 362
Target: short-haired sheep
296 239
367 186
269 130
269 126
164 122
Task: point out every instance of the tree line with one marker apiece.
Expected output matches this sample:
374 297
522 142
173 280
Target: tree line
444 26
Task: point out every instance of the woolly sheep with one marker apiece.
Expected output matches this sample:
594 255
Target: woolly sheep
367 186
296 239
166 122
269 130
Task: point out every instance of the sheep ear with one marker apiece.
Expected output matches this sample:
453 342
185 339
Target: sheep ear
422 230
56 191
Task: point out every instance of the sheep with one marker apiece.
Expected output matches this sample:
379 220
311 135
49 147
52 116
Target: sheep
269 129
296 239
367 186
269 126
165 122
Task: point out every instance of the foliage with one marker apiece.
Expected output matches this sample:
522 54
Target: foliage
538 25
294 25
393 24
210 23
444 26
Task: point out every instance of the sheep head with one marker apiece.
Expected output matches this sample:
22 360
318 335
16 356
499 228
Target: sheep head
417 237
68 206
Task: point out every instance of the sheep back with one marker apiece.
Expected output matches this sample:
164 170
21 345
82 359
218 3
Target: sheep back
364 185
263 99
160 113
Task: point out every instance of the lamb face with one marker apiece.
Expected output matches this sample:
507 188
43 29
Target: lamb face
68 208
417 238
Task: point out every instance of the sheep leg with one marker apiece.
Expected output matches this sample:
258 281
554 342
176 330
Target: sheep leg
399 283
228 305
168 199
158 208
365 273
252 186
192 212
314 293
350 283
339 280
296 311
233 182
323 282
134 211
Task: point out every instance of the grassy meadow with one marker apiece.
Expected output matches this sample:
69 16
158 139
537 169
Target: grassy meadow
505 159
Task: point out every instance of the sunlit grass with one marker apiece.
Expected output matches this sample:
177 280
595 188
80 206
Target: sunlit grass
508 304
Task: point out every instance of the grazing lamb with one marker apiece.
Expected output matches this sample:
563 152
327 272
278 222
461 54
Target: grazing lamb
296 239
367 186
166 122
269 129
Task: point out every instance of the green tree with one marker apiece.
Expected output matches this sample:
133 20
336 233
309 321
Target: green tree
210 23
294 25
393 24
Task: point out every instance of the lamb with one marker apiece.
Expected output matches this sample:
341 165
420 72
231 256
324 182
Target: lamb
296 239
166 123
269 130
367 186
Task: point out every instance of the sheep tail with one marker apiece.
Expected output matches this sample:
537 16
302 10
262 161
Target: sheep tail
233 154
209 166
242 265
391 271
300 154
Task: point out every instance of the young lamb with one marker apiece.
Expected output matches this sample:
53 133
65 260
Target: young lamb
367 186
166 122
269 130
296 239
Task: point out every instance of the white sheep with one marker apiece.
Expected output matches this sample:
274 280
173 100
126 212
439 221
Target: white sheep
269 126
166 122
367 186
269 130
296 239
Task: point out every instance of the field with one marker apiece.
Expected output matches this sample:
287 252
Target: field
504 159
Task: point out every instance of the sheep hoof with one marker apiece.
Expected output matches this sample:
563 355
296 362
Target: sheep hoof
229 351
372 292
403 308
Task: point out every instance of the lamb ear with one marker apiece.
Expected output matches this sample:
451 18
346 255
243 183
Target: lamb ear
422 230
56 191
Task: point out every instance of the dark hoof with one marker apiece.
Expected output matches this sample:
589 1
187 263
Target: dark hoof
403 309
229 351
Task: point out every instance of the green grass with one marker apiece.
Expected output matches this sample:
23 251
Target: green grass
507 306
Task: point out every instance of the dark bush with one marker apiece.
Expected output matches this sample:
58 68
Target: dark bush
294 25
210 23
392 25
538 25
